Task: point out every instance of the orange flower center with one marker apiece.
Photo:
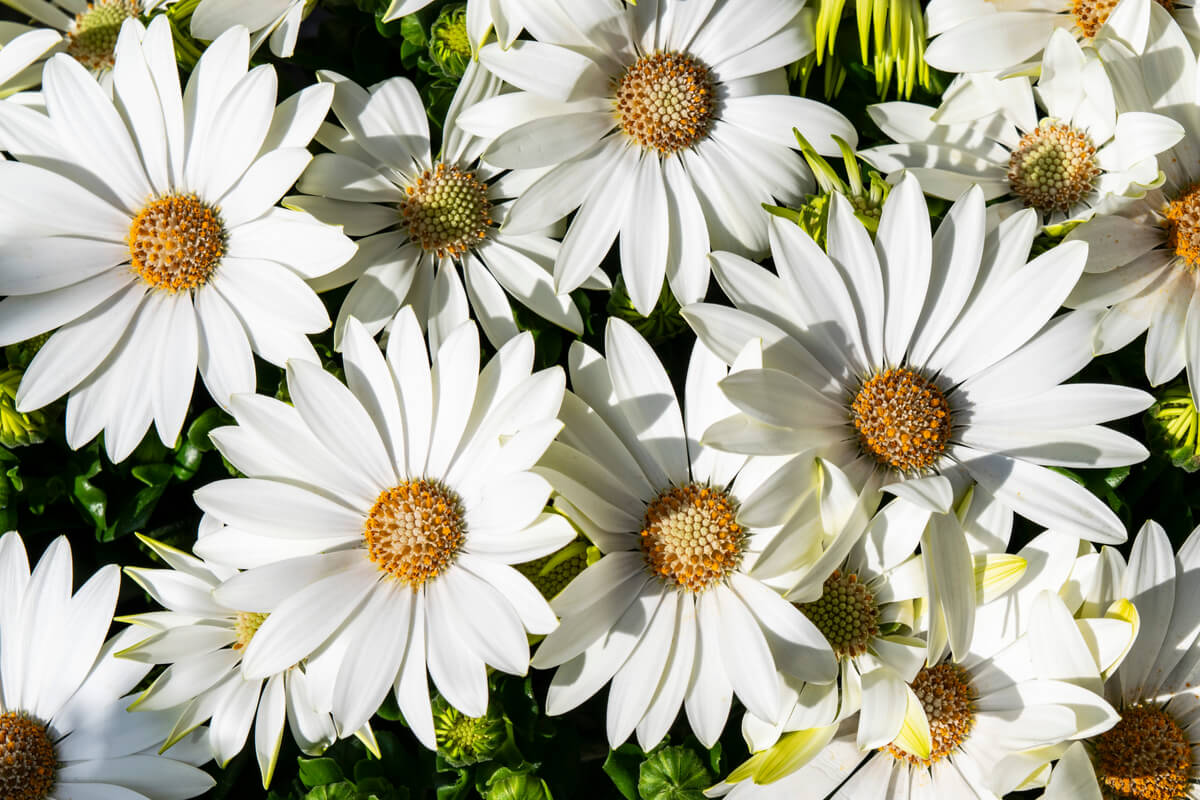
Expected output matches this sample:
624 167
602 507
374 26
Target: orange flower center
665 102
27 759
176 242
690 538
1145 756
945 693
902 419
415 530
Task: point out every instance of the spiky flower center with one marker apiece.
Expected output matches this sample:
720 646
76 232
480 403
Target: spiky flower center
1091 14
1145 756
902 419
447 210
845 614
690 538
945 693
27 758
92 37
415 530
176 242
1053 167
245 626
665 102
1183 226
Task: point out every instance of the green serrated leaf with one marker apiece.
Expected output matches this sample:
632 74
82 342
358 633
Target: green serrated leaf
673 773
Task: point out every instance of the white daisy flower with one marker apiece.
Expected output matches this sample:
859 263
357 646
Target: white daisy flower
63 722
668 122
143 231
203 642
507 17
277 21
383 518
420 216
671 613
1141 272
1152 752
1081 158
922 362
995 35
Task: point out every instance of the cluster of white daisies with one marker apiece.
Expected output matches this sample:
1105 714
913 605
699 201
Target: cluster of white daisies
818 526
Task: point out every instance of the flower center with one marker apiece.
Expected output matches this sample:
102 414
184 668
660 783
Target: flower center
945 694
92 37
415 530
690 538
1183 226
845 614
1053 167
902 419
176 242
246 626
447 210
27 759
665 101
1145 756
1091 14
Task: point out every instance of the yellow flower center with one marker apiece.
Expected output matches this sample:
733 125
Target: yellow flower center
665 102
1091 14
92 37
945 693
447 210
902 419
246 625
1053 168
1183 226
176 242
845 614
690 538
27 759
1145 756
415 530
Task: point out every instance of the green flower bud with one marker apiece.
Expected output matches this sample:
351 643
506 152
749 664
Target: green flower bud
1173 427
507 785
552 573
17 428
665 322
673 773
891 40
449 45
464 740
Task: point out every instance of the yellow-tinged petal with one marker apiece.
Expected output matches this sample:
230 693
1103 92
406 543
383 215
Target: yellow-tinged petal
791 752
996 573
915 737
1127 612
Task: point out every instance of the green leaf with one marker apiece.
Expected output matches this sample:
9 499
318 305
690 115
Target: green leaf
320 771
458 789
507 784
673 773
197 432
334 791
621 766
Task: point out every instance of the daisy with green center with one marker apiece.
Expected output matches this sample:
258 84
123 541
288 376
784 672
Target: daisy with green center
379 522
1079 159
667 122
671 613
64 730
423 219
276 21
923 363
507 17
142 229
203 642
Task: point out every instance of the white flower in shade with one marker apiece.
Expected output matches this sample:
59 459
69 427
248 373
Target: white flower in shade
507 17
63 721
671 613
1142 269
143 231
384 518
423 219
667 122
994 35
22 55
922 362
1079 159
277 21
203 643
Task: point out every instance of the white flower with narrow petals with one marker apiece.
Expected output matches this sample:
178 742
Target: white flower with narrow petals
148 239
1079 159
276 21
423 219
63 693
668 122
507 17
672 613
923 362
203 642
381 519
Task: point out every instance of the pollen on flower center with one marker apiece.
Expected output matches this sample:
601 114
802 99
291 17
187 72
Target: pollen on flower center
176 242
1091 14
690 538
845 614
902 419
92 37
945 693
27 758
415 530
246 625
665 101
447 210
1145 756
1053 167
1183 226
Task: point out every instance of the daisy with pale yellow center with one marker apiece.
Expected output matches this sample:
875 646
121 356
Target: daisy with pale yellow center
378 522
148 238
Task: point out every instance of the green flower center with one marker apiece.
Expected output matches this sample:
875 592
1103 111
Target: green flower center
1053 167
92 37
27 758
665 102
845 614
464 740
447 210
1145 756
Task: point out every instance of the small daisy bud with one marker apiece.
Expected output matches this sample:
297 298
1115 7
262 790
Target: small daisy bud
449 46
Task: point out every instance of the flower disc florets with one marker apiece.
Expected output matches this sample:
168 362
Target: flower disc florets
92 37
902 419
1183 226
447 210
27 758
1145 756
665 101
845 614
690 538
1091 14
945 693
1053 167
415 530
176 242
245 626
